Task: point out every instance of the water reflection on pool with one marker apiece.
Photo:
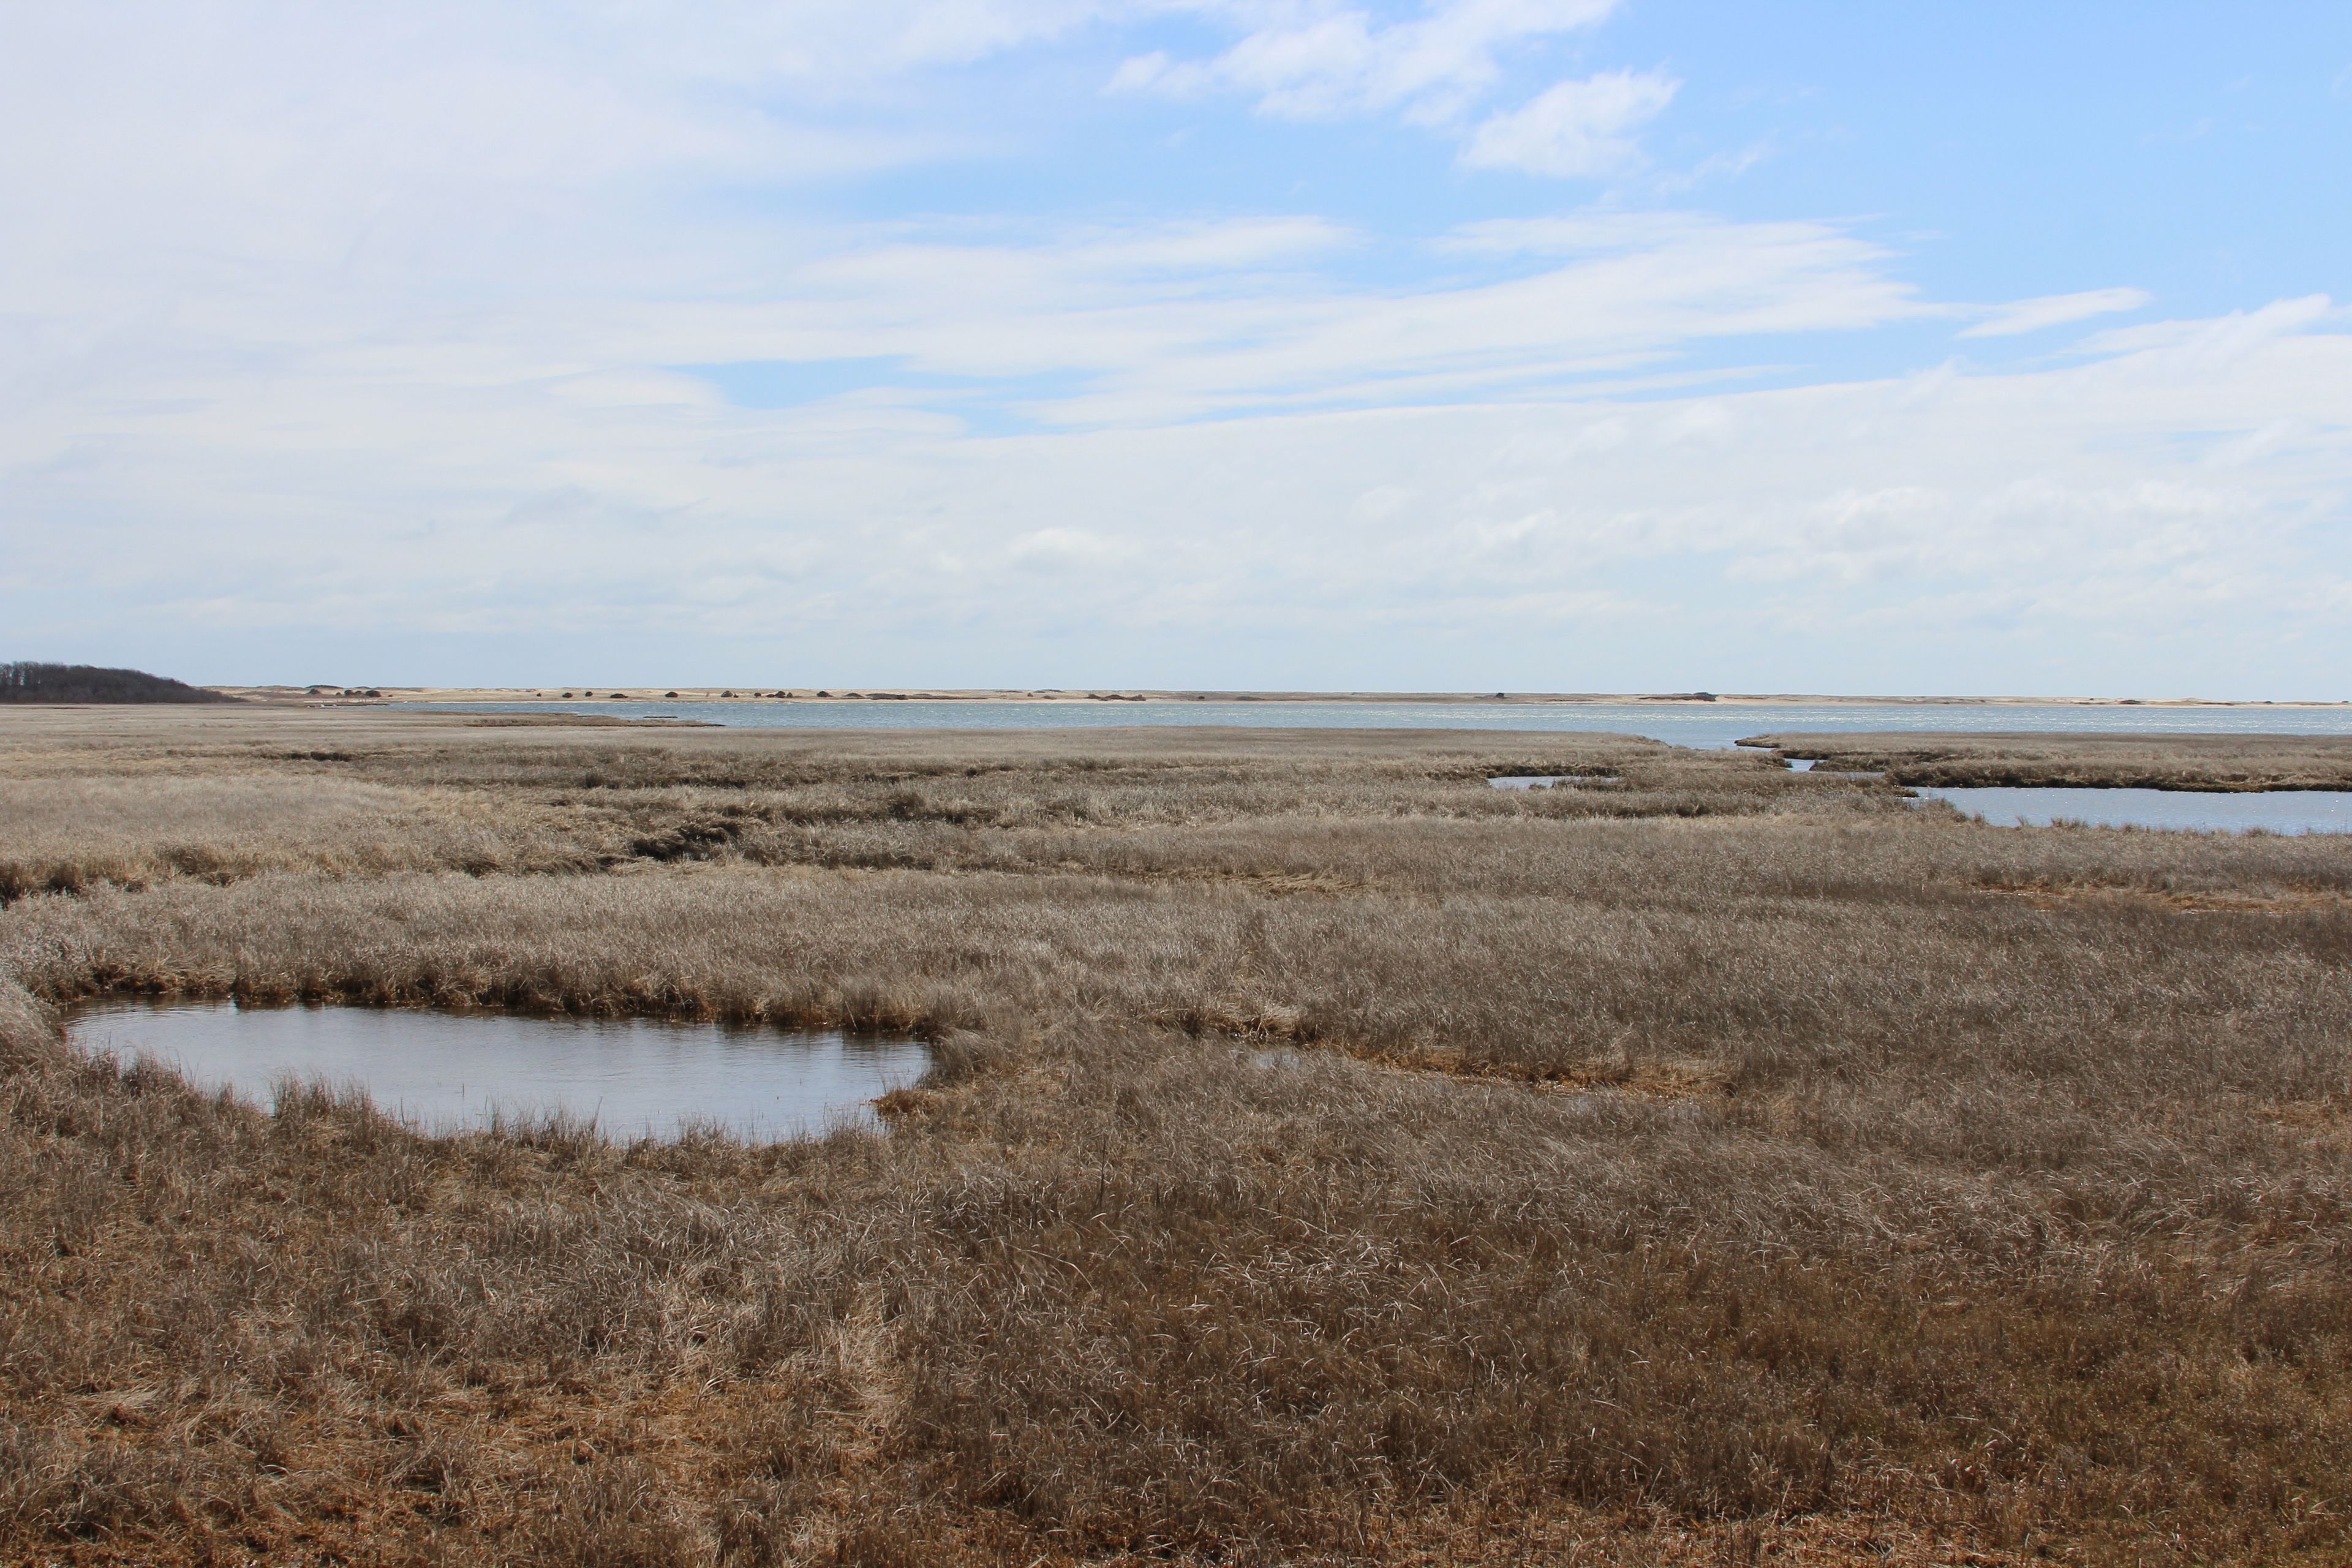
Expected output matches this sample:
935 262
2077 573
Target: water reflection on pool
446 1072
2203 811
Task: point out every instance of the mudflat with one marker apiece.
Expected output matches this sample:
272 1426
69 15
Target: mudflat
1328 1157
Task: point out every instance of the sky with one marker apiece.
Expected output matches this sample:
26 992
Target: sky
1576 345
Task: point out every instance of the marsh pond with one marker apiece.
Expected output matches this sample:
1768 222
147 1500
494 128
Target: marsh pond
2290 811
449 1072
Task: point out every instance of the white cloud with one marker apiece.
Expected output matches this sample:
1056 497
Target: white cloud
2056 310
1325 62
1141 73
369 326
1576 129
2182 489
249 127
1066 549
1328 62
1179 323
2222 339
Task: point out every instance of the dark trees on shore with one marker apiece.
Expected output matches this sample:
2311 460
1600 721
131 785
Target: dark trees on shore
25 681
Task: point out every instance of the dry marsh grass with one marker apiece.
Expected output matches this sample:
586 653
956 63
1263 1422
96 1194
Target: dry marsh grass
2084 761
424 797
1904 1190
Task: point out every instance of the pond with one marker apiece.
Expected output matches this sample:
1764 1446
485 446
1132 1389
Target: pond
2199 811
445 1072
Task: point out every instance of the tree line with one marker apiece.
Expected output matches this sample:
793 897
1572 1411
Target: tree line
26 681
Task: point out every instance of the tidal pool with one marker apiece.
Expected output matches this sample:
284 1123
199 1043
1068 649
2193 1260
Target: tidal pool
1545 781
2198 811
446 1072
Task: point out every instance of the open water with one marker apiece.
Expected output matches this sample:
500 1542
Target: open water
445 1072
2198 811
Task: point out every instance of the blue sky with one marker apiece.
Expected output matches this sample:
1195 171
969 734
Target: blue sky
1555 344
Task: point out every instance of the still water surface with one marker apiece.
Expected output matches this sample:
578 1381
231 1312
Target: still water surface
1689 725
446 1072
2202 810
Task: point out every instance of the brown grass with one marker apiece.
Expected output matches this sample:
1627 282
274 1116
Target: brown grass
1714 1165
2081 761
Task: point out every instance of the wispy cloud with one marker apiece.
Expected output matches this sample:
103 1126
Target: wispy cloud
1324 61
567 518
1575 129
1203 320
2057 310
1333 62
2222 339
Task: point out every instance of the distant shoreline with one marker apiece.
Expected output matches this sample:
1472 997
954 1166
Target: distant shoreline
379 695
